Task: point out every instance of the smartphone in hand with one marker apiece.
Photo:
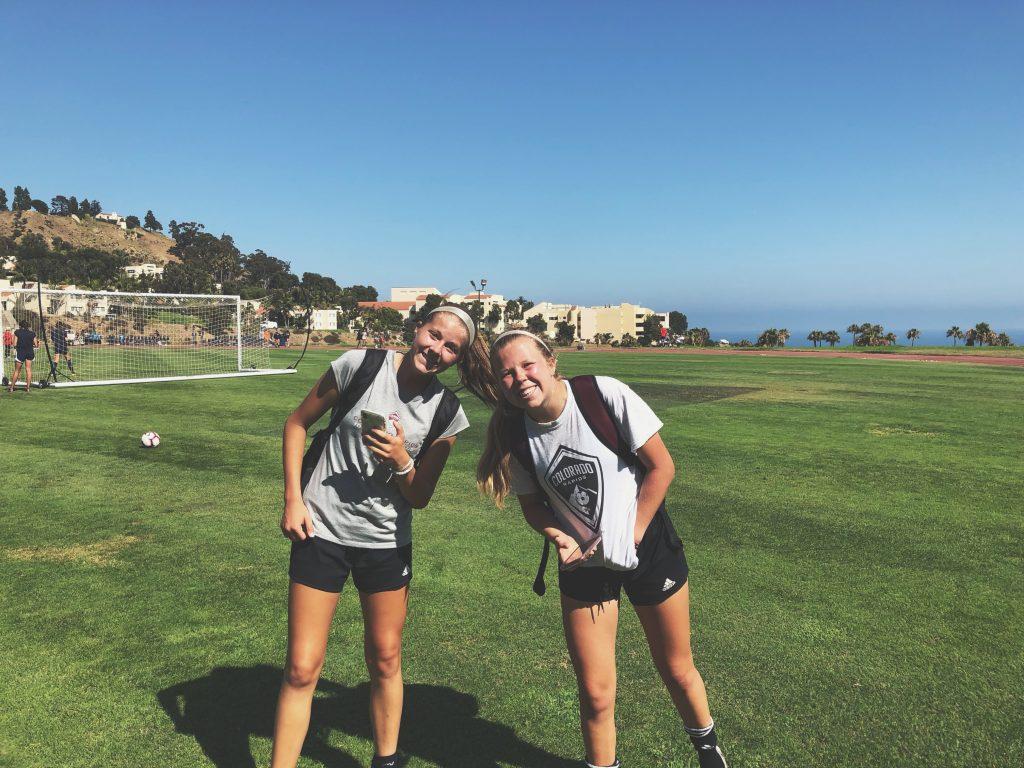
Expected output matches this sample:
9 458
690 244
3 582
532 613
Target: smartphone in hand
371 420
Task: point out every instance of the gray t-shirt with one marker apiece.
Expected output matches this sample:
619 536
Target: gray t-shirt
352 498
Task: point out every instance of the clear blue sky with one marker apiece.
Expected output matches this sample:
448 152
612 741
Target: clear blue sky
749 163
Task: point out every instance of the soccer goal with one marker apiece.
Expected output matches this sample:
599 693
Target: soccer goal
105 337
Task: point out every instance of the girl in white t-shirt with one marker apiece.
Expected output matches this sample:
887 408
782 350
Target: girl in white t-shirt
578 483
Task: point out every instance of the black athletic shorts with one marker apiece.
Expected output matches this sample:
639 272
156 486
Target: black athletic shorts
324 565
23 357
661 573
60 349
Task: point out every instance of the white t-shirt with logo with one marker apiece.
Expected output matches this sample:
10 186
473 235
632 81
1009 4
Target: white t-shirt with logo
583 478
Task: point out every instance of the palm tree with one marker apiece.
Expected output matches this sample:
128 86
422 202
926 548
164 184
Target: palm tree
768 338
983 334
832 337
814 337
889 338
854 329
783 336
954 333
913 334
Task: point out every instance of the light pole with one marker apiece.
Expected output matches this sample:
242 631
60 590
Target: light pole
480 290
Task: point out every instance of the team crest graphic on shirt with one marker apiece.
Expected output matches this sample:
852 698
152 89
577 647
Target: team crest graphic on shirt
576 478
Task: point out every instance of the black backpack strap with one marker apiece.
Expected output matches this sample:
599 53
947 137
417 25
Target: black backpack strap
361 381
519 447
441 420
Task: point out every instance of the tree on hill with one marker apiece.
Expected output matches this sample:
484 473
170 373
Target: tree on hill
151 223
954 333
3 200
913 335
84 207
132 222
22 200
677 322
537 325
266 273
319 291
183 277
564 333
72 206
95 208
60 206
40 206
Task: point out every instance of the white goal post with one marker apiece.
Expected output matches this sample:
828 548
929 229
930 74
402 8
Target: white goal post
107 337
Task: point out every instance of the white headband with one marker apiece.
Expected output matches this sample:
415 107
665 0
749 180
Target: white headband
462 315
519 332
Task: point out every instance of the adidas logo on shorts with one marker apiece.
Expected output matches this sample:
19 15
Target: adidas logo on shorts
667 585
405 572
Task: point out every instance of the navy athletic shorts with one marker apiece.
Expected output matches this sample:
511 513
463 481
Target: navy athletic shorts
324 565
661 573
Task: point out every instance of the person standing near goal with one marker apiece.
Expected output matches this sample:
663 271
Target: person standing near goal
348 509
59 338
25 344
590 469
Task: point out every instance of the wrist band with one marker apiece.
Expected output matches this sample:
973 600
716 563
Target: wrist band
406 469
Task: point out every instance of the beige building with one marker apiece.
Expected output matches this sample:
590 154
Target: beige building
411 294
616 320
554 314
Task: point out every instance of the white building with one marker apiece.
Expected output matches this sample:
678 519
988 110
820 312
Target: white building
138 270
324 320
114 218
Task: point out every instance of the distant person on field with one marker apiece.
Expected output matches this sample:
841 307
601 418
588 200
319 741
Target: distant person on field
8 342
59 338
360 336
26 343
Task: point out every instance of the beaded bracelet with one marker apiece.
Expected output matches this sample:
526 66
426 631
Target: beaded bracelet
406 469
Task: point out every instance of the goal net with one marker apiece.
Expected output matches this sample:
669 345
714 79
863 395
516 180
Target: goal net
103 337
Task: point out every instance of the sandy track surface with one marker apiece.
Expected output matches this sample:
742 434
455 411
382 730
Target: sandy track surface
809 354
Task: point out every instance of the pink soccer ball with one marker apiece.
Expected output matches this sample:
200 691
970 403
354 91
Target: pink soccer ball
150 440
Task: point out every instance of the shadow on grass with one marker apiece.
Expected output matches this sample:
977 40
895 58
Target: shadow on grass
223 709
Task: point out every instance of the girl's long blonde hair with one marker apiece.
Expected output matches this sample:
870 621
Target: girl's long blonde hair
493 475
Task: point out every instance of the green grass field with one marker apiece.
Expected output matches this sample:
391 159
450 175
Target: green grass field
853 528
